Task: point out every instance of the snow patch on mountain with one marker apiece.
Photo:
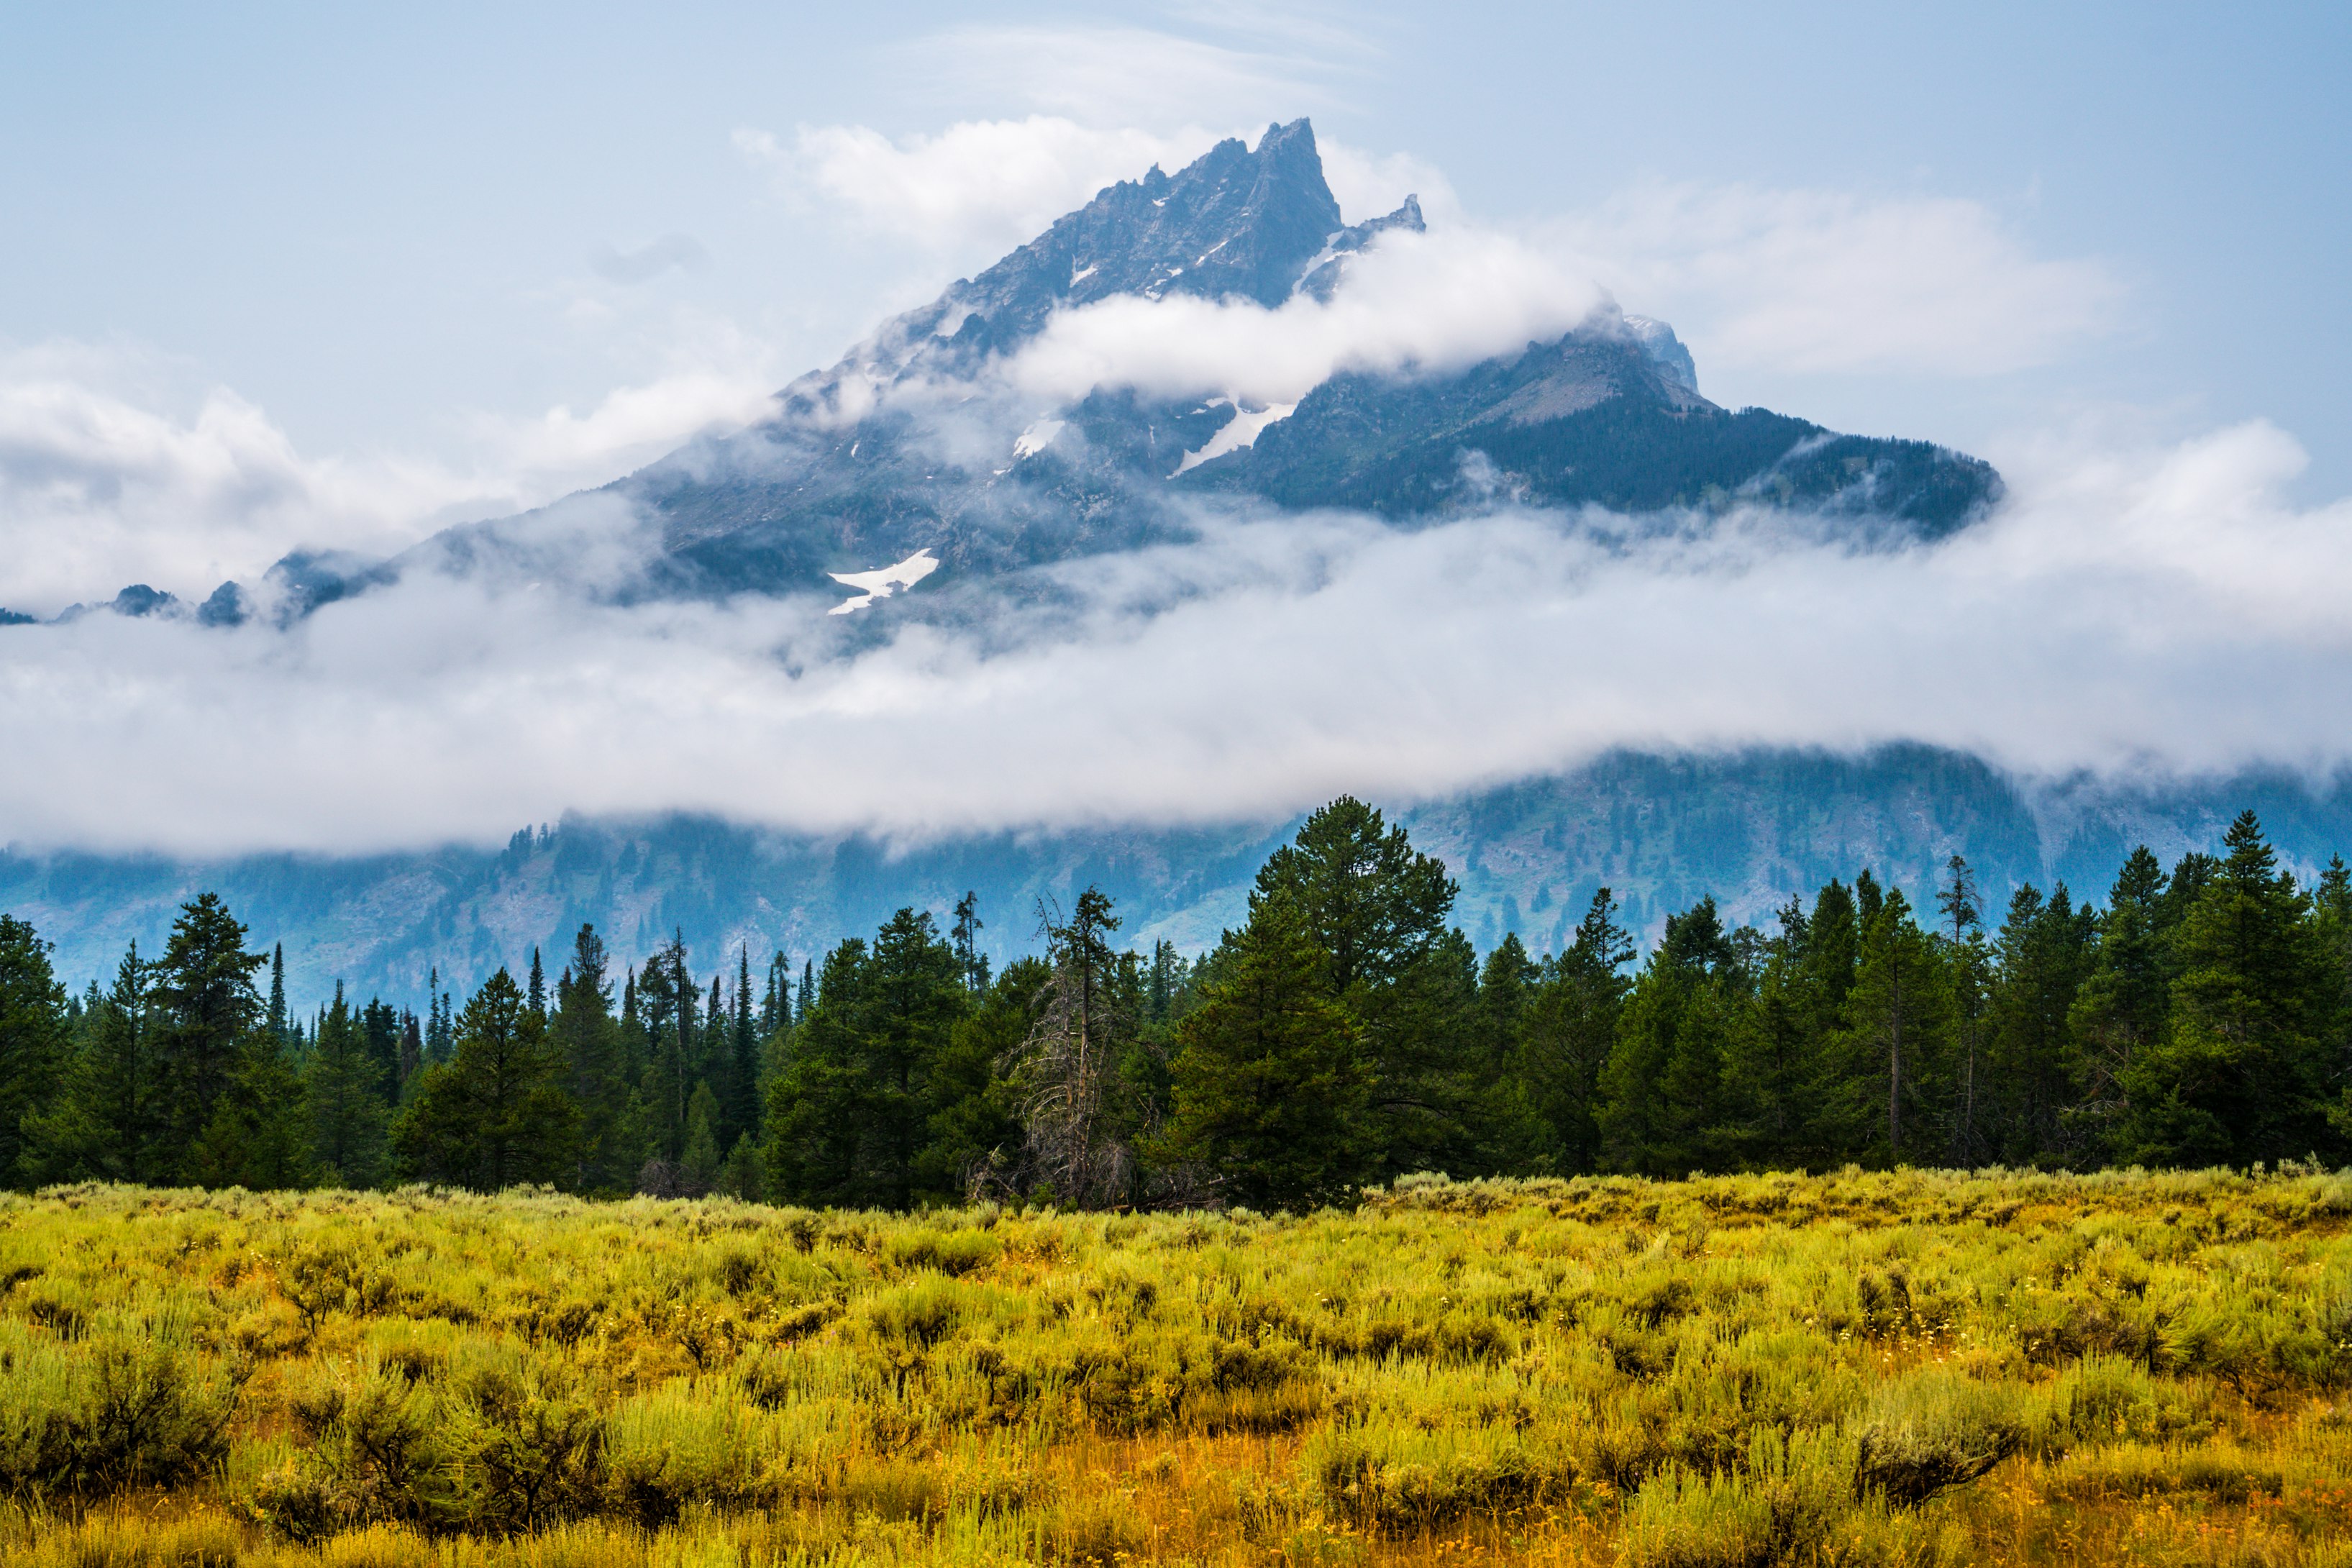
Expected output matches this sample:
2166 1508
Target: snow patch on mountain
883 583
1240 431
1037 438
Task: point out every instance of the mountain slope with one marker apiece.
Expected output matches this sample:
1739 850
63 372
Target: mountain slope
905 445
1750 830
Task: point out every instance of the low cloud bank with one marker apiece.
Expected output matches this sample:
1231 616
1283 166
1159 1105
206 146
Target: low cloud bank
2162 609
112 471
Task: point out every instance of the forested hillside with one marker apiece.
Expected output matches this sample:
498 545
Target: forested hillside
1345 1032
1751 830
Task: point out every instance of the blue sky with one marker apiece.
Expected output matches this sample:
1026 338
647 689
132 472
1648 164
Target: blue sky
379 228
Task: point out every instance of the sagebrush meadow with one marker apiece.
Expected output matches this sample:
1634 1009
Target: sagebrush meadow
1888 1367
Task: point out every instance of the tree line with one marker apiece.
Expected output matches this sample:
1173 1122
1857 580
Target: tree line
1346 1034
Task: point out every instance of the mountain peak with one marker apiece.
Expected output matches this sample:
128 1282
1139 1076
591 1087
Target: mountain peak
1236 223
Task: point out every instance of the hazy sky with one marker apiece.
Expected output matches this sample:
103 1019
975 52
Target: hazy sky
281 276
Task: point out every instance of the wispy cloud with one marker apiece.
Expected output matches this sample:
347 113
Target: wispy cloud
979 184
680 252
117 466
1811 281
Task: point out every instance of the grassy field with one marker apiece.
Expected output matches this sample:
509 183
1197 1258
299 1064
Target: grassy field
1859 1368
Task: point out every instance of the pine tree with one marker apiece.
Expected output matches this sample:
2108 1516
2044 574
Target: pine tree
1661 1089
1901 1025
1067 1074
33 1043
345 1083
965 936
101 1122
668 1005
495 1114
807 999
2124 1004
223 1094
412 1054
1569 1029
2241 1074
743 1110
1773 1075
2042 955
1270 1088
850 1115
587 1037
1379 909
973 1129
438 1028
537 1000
277 1020
700 1165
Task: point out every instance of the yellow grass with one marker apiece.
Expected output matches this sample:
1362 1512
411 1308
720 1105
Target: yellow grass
1890 1368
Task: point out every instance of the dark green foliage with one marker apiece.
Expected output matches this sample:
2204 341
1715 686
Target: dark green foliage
850 1116
2239 1074
344 1079
495 1114
1270 1088
1566 1035
33 1041
588 1038
1346 1035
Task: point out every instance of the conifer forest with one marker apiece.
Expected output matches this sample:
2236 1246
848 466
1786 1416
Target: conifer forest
1886 1235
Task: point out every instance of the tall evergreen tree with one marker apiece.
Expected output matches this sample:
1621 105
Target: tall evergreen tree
2042 955
495 1114
345 1083
1772 1076
277 1018
1270 1089
965 936
742 1111
1901 1024
2123 1007
1379 909
1569 1029
228 1098
1067 1073
2240 1073
104 1118
33 1039
587 1037
1662 1088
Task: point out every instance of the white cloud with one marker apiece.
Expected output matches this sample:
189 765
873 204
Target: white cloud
988 185
114 471
2153 609
1831 281
1372 184
1438 301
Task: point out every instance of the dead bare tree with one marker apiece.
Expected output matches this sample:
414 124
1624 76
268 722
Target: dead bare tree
1066 1073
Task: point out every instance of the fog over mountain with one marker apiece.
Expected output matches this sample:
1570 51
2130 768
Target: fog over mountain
1206 504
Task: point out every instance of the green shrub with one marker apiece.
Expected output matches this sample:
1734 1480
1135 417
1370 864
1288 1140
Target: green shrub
87 1422
1934 1428
1779 1506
